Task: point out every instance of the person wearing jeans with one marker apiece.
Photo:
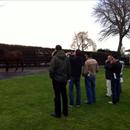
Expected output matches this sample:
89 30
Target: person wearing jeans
78 91
115 80
90 82
115 90
89 71
76 63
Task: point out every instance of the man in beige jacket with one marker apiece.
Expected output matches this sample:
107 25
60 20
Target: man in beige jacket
89 71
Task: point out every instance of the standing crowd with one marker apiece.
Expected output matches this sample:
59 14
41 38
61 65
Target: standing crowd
68 68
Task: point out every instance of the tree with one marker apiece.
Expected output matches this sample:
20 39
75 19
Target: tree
82 41
114 15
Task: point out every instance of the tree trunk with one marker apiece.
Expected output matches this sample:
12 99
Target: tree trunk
120 44
82 48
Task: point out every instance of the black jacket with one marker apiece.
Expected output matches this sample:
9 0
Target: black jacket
108 72
116 69
76 63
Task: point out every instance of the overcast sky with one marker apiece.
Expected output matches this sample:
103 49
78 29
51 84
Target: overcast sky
47 23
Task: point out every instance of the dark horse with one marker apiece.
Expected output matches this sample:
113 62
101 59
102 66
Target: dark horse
14 57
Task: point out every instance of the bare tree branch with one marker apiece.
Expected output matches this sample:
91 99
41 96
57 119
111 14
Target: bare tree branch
82 41
114 16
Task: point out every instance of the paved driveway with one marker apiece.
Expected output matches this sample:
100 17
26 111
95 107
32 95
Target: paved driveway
27 71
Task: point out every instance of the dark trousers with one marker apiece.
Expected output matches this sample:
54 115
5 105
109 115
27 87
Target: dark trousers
116 89
60 93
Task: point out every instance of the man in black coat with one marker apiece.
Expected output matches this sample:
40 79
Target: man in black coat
76 62
60 72
115 80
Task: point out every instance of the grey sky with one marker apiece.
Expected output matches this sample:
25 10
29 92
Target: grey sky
47 23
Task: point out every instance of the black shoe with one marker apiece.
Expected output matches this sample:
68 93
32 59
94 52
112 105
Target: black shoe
65 115
88 103
55 115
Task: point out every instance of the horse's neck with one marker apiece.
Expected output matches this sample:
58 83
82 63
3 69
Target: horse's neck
3 52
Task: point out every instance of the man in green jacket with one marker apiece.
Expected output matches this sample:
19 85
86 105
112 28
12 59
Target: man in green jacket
60 72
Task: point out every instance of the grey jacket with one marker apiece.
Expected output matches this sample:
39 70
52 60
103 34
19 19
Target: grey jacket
60 67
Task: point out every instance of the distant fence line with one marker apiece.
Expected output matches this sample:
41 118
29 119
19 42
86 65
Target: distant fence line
44 59
37 56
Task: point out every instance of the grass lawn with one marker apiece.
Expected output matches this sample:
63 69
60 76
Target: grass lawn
26 104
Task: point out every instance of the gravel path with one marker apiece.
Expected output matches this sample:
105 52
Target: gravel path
27 71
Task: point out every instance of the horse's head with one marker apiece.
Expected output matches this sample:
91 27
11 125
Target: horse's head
11 57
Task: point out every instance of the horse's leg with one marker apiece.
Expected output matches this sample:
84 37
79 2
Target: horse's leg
17 63
22 65
7 67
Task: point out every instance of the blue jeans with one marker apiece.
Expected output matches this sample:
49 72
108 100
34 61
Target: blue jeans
116 89
76 82
90 84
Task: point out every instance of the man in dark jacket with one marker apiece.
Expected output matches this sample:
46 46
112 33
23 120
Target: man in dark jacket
76 62
60 72
115 80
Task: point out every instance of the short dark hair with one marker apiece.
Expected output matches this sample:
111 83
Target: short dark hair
58 47
78 52
89 55
116 56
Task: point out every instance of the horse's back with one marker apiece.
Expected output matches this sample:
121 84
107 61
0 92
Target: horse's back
14 55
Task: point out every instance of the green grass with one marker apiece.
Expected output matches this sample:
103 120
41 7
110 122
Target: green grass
26 104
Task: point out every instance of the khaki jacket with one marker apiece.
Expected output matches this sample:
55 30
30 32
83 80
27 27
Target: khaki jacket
59 69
